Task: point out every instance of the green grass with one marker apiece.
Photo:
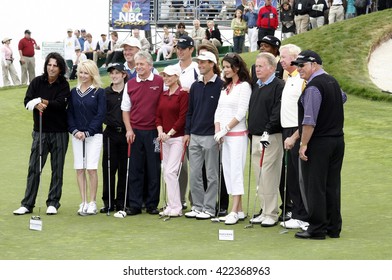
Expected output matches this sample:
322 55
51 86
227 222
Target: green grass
366 196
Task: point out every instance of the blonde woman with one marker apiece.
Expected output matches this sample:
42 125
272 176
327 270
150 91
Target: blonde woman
86 113
167 44
170 122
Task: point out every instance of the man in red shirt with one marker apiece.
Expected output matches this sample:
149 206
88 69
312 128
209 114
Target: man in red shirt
267 21
26 48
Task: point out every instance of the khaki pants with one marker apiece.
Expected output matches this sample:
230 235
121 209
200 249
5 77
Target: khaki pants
28 69
8 67
301 23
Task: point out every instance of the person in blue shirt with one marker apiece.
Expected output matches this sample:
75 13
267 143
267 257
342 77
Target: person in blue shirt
250 16
86 113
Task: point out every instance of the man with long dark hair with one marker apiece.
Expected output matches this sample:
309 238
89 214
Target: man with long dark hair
47 97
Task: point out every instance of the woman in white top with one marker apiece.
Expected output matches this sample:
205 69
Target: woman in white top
167 44
7 65
231 130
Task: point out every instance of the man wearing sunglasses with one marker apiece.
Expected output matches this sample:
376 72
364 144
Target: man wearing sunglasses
320 123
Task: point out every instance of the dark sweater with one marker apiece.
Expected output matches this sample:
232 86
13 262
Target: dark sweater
54 118
113 116
264 108
305 6
203 100
331 116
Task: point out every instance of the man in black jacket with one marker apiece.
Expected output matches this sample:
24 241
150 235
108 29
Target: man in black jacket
301 12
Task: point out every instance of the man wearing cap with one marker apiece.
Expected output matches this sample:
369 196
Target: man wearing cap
199 136
130 47
114 141
7 63
189 72
320 123
269 44
90 47
26 48
267 21
266 132
77 57
70 44
102 46
143 93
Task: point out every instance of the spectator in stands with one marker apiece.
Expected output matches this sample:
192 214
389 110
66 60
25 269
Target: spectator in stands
228 10
238 24
26 48
82 38
180 32
165 9
204 9
198 33
89 47
242 6
250 16
175 10
188 9
77 34
70 43
7 64
102 46
267 21
287 19
77 57
115 52
167 44
316 13
301 12
336 11
213 34
143 41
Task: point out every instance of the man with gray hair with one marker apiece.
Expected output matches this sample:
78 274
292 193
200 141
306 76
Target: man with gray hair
289 121
266 133
198 33
143 93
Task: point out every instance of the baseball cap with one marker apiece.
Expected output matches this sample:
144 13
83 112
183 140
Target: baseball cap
270 40
131 41
207 56
171 70
185 42
69 30
307 56
82 30
27 31
117 66
5 40
77 48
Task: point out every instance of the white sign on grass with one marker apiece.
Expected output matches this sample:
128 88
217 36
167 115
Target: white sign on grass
48 47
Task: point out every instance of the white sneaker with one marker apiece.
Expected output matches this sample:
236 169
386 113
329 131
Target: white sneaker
294 224
51 210
268 222
241 216
21 211
257 220
204 215
192 214
231 219
83 209
92 208
305 226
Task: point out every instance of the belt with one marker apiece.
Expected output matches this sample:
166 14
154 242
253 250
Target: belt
251 26
9 59
338 5
118 129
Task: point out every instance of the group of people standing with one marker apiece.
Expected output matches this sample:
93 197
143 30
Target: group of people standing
153 120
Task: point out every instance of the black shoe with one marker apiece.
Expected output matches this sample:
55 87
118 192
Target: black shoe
184 206
333 235
307 235
133 211
288 216
152 211
105 209
260 212
222 213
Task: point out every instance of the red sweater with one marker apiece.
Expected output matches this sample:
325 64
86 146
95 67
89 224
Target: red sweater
144 99
268 18
171 111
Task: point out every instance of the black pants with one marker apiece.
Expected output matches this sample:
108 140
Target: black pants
321 175
118 165
56 144
143 151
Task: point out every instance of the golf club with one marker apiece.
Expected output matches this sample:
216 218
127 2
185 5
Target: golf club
178 177
123 213
82 213
216 219
284 230
163 184
110 204
38 217
257 189
249 175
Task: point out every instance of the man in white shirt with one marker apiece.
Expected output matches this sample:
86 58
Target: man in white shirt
70 43
89 48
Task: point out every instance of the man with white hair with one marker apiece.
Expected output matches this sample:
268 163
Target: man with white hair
198 33
199 136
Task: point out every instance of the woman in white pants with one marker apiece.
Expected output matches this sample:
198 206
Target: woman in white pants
167 44
170 122
7 65
231 131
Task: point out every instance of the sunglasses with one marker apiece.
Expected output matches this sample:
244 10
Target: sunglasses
302 65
